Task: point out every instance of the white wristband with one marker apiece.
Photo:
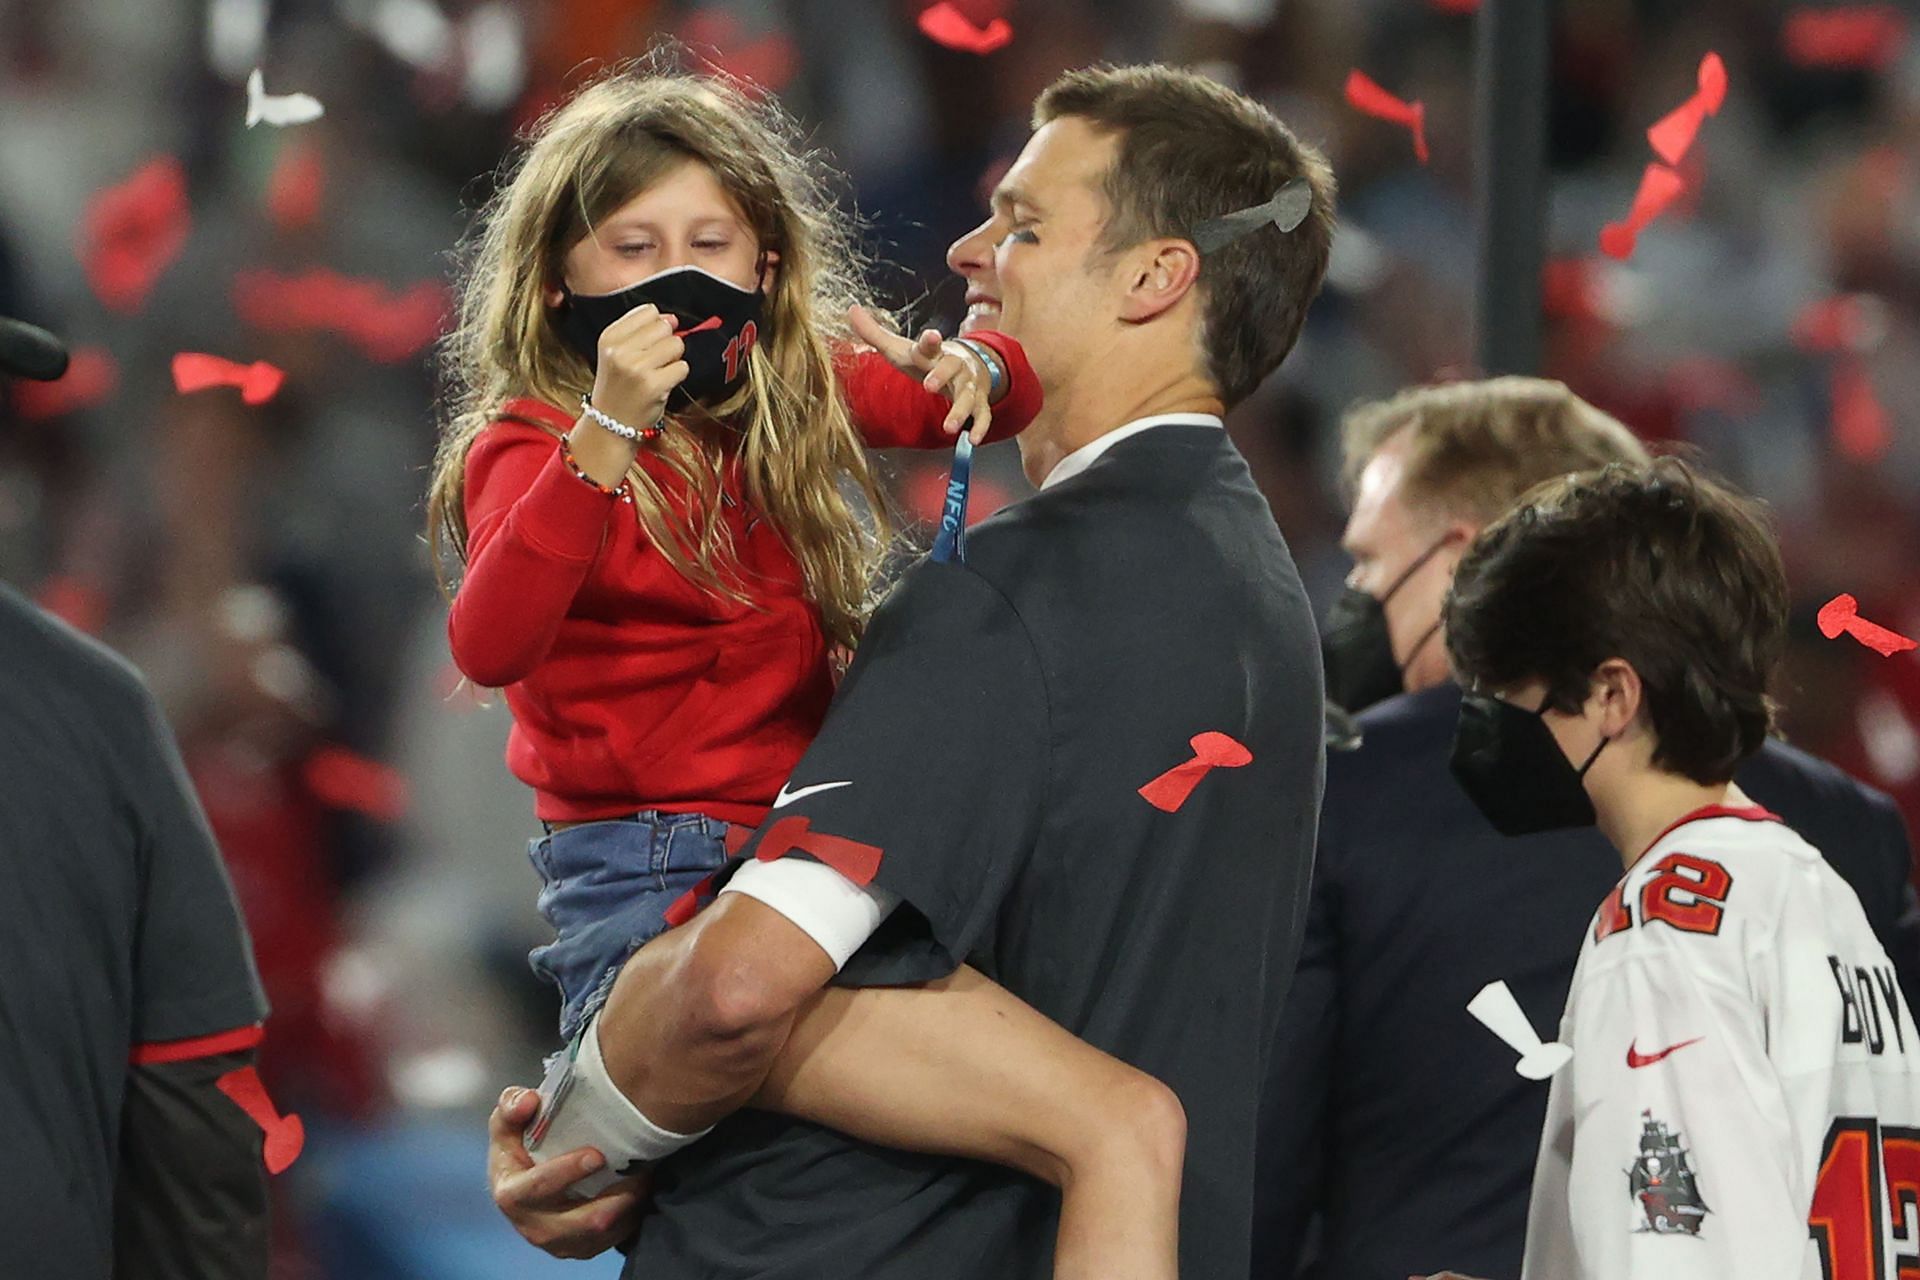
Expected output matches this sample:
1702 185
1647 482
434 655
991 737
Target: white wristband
582 1107
835 912
619 428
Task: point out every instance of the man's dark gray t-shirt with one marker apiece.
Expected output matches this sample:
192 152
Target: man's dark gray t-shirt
118 928
997 727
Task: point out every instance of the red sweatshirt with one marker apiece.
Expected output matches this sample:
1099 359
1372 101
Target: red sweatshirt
632 687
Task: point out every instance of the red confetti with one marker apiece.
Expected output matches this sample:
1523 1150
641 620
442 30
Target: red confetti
711 322
297 188
1842 613
1698 383
387 327
1672 136
1867 37
688 905
1860 427
768 62
1659 186
857 862
194 371
1849 322
945 25
131 233
1366 96
91 378
285 1134
1828 324
1211 750
1570 290
77 602
342 779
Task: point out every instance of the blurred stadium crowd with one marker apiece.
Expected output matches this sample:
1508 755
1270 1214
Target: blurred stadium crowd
264 565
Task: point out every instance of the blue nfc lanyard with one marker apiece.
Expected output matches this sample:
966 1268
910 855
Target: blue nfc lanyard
950 543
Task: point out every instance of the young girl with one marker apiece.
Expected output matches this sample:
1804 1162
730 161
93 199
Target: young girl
647 473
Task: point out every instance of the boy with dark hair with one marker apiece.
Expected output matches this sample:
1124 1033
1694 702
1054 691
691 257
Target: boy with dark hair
1741 1050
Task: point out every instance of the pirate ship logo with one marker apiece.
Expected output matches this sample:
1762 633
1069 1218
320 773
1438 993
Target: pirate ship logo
1664 1184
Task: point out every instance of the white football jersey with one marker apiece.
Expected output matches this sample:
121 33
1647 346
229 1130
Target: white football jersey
1744 1095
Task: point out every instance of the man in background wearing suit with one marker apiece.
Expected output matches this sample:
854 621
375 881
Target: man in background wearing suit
1394 1130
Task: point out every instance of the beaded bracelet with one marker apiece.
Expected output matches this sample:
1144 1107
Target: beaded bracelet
619 428
621 491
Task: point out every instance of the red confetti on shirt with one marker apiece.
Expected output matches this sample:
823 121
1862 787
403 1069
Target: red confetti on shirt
1866 37
91 378
1672 136
346 780
1211 750
857 862
388 327
131 233
1365 96
194 371
1659 187
689 904
285 1134
946 25
711 322
1842 613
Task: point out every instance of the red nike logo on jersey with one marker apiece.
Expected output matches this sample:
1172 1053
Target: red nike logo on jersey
1648 1059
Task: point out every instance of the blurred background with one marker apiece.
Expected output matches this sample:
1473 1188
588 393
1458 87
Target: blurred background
264 563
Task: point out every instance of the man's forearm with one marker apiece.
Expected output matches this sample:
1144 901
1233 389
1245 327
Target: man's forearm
699 1014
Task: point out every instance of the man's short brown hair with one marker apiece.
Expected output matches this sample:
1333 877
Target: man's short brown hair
1190 150
1658 565
1474 447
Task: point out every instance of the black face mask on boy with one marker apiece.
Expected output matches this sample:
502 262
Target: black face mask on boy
1358 648
718 321
1510 765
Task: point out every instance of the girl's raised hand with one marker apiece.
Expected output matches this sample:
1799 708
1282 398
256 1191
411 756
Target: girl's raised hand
954 370
639 364
908 355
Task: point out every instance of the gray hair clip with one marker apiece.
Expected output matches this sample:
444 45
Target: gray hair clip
1287 210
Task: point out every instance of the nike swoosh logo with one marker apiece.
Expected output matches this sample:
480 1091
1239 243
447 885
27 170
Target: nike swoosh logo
787 797
1648 1059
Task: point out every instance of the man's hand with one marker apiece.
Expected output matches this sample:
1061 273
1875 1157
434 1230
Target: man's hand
949 368
534 1196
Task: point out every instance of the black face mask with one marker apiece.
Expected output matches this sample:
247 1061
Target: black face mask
1358 649
1510 765
716 352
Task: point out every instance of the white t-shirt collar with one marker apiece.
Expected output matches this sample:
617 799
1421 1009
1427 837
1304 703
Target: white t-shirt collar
1083 457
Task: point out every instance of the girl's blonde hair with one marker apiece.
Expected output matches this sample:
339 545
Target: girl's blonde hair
803 461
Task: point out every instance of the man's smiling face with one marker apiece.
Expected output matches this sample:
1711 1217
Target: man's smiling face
1035 269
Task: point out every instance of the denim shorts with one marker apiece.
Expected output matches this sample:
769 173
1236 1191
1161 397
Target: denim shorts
606 887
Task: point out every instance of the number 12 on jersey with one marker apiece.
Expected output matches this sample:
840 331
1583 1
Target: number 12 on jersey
1867 1172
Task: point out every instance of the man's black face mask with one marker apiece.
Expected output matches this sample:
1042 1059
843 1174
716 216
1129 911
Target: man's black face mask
1358 648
